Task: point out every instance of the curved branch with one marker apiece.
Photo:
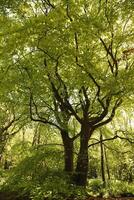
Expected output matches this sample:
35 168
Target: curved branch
110 139
117 104
109 52
39 119
104 140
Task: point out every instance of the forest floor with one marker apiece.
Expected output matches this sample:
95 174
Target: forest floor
14 196
115 198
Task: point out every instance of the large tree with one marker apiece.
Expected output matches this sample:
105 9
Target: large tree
73 60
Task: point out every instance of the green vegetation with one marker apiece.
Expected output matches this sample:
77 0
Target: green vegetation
66 98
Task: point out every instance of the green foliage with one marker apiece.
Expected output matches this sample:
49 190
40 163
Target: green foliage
57 187
37 165
40 176
119 188
38 172
40 183
54 186
3 177
95 187
69 56
114 188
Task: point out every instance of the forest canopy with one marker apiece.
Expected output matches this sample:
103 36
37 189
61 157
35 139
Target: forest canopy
66 96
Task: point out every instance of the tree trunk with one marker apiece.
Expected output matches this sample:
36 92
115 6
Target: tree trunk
102 161
107 163
68 152
81 172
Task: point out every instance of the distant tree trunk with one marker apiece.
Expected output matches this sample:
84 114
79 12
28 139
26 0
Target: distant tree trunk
81 172
6 164
68 152
107 164
130 177
102 161
37 137
92 173
34 142
119 173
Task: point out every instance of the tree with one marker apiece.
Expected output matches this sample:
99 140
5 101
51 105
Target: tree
11 124
102 160
70 55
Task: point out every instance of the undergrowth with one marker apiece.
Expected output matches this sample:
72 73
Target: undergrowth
34 178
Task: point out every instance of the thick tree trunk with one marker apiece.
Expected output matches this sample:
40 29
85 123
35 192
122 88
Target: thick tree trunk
81 172
68 152
82 165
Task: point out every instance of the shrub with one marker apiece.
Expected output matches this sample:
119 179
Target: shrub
95 187
117 188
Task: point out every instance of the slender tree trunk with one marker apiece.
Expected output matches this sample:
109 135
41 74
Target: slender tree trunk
34 142
102 161
107 163
81 172
68 152
130 177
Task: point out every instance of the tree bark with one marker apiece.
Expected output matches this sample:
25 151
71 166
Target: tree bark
81 172
68 152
